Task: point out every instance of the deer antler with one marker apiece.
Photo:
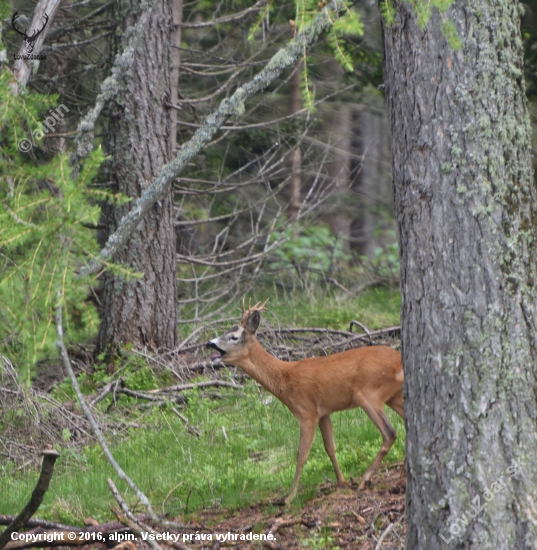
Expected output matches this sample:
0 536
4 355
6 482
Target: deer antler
247 312
13 21
29 39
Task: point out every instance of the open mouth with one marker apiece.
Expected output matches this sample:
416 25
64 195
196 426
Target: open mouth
218 355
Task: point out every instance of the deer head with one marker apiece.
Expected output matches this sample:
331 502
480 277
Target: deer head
30 40
234 345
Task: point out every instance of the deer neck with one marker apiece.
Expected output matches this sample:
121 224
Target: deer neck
264 368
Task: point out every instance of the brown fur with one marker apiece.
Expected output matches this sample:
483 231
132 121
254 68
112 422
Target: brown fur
313 388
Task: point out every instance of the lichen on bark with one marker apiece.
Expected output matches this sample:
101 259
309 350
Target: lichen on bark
469 313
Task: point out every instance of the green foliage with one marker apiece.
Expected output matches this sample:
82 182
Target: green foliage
246 452
385 261
450 32
424 10
348 25
375 308
44 237
313 247
319 542
387 11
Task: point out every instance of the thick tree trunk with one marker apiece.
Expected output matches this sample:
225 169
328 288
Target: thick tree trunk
142 311
466 211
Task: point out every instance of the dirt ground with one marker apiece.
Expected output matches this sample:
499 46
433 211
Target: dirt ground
336 519
341 518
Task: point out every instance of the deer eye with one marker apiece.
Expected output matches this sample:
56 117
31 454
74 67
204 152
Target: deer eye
234 338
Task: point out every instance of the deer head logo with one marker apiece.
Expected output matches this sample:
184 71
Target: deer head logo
29 40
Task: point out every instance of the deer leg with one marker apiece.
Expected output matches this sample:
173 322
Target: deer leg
325 425
307 431
396 403
389 435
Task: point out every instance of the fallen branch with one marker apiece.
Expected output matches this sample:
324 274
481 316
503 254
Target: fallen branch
129 518
71 536
383 536
47 470
45 524
96 430
137 526
351 335
189 427
206 384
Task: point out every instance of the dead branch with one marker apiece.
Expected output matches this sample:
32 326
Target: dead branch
383 536
189 426
136 525
22 67
43 523
227 19
128 518
57 536
206 384
47 470
96 430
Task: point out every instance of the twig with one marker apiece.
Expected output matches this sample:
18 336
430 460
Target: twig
190 428
358 324
43 523
340 286
363 327
205 384
47 470
128 517
384 535
96 430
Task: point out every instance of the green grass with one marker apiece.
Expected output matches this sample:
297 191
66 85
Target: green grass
247 449
376 308
253 460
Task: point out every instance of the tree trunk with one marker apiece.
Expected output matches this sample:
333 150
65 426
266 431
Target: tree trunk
294 158
142 311
466 211
175 56
370 176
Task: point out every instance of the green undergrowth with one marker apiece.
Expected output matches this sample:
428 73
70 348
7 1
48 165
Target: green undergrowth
246 454
376 308
247 449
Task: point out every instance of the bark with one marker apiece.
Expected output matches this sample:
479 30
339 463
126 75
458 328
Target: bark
22 68
177 15
294 158
142 311
466 211
47 470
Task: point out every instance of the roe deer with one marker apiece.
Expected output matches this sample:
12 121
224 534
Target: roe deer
314 388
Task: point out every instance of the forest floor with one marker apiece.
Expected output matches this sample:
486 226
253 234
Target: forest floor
336 518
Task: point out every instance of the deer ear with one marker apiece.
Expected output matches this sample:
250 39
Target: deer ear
253 322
